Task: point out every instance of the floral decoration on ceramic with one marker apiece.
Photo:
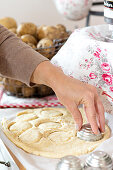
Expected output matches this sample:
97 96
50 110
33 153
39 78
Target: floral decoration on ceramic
73 9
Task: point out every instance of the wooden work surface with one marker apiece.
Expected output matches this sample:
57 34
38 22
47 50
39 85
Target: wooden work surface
21 167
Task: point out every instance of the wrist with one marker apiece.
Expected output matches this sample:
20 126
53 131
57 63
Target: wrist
47 74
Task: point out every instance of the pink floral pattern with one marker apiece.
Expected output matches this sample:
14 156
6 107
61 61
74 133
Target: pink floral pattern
87 58
111 89
107 78
97 54
73 9
98 49
105 67
92 76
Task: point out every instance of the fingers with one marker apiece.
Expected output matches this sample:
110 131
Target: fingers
91 113
100 111
73 109
95 111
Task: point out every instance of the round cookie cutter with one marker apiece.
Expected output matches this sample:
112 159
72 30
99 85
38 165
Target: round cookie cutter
69 163
99 160
87 134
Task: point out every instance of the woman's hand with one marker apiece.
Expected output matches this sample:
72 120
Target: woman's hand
71 93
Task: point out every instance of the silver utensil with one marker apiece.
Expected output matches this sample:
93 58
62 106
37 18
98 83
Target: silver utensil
87 134
99 160
69 163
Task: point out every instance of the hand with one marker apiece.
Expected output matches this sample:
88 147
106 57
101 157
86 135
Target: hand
71 93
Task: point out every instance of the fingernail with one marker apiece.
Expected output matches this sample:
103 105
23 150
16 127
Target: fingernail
76 127
103 129
98 123
98 131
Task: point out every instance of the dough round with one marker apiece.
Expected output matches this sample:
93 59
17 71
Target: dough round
49 132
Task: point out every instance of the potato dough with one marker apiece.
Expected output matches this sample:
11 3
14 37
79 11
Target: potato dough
8 22
27 38
27 28
49 132
48 45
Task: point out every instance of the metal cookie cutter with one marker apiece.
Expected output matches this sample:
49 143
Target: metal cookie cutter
69 163
99 160
87 134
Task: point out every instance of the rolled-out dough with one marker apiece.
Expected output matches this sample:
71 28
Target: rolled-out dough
48 132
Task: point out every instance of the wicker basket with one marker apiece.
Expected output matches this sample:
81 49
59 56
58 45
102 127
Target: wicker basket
19 89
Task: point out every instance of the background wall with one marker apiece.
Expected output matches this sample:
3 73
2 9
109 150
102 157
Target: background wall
40 12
